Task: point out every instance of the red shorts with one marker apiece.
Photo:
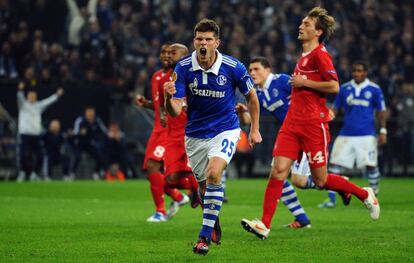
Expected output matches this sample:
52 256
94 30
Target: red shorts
155 149
312 138
176 159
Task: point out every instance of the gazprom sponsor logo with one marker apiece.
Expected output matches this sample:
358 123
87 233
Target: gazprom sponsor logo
272 107
357 102
204 92
208 93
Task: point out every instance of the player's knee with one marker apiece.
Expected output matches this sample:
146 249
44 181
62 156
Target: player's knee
279 172
213 175
171 178
153 167
319 182
298 181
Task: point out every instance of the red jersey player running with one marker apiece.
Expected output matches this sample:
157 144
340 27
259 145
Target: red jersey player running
155 150
306 125
178 173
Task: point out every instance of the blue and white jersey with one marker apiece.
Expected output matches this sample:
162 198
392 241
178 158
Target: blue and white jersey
211 94
359 102
273 97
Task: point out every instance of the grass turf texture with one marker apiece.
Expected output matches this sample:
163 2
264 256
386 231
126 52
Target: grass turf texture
106 222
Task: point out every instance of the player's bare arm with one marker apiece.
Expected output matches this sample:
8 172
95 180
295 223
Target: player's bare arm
243 113
254 109
173 106
332 86
163 116
382 120
141 101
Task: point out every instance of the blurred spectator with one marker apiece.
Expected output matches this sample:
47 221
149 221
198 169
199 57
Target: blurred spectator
117 154
29 130
405 120
114 173
54 151
8 67
91 136
78 17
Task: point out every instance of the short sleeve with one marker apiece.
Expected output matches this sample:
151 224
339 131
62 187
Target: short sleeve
179 81
379 101
325 66
244 81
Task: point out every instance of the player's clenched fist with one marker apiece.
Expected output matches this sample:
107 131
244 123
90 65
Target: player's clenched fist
169 89
140 100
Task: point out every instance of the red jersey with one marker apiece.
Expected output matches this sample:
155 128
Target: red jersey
155 87
175 125
309 105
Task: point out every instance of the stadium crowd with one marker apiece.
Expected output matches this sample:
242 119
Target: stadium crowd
114 45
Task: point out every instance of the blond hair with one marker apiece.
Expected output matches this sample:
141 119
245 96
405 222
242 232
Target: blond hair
324 22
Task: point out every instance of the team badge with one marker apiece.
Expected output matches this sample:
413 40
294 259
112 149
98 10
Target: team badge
221 80
367 94
305 62
275 92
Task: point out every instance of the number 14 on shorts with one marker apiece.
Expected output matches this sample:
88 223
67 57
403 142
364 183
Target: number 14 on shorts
317 158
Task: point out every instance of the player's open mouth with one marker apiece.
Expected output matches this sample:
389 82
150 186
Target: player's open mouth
203 51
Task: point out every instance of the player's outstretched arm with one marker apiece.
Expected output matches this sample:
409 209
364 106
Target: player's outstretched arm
141 101
172 105
254 109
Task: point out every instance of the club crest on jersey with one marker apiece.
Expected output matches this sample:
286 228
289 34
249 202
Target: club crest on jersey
367 94
275 92
305 62
221 80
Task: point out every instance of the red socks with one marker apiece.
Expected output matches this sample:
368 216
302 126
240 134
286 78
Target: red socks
185 181
173 193
339 184
271 199
157 189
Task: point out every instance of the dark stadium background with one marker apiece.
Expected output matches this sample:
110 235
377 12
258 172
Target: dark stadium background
108 66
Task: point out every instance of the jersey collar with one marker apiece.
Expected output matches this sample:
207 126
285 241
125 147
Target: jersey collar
214 69
361 85
268 81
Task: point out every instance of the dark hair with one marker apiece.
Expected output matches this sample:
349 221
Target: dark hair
167 43
324 22
361 63
207 25
262 60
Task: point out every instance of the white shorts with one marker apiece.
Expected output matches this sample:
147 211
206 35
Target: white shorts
200 151
348 150
300 168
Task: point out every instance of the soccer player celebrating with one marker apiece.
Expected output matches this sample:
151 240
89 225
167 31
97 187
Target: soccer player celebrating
306 124
356 143
208 79
154 154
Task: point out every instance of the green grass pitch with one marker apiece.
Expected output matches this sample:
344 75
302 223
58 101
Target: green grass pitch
106 222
